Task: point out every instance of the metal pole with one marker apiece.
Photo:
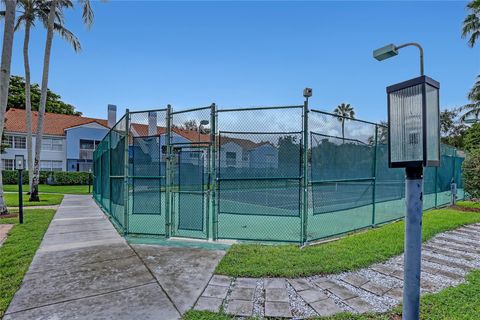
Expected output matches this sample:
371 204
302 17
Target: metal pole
213 170
305 171
413 243
89 181
374 176
126 191
168 211
421 53
20 198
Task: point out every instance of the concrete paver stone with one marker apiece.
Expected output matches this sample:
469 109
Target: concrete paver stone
240 308
208 304
277 309
276 294
326 307
242 294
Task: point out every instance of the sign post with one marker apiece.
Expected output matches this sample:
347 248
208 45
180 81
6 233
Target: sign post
19 166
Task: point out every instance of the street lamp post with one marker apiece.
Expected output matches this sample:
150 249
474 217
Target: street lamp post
414 143
19 166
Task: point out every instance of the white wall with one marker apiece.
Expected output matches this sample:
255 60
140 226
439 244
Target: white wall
44 154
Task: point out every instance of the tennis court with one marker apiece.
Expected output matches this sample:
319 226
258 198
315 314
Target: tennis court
284 174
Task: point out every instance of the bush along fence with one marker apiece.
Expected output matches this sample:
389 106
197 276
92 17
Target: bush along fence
286 174
48 177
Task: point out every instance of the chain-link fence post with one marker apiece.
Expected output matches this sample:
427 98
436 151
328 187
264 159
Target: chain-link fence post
110 173
213 172
126 189
168 166
374 187
305 173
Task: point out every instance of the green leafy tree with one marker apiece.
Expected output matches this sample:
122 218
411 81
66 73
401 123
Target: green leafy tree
344 111
452 130
471 173
16 98
471 140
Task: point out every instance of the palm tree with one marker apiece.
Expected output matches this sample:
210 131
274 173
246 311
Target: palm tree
471 24
8 32
473 108
33 9
471 29
344 112
55 10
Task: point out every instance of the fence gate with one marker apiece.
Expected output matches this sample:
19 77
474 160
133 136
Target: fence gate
189 167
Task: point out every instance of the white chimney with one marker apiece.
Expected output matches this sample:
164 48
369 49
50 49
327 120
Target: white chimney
112 115
152 123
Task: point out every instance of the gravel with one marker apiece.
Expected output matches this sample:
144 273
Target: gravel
259 300
379 304
300 309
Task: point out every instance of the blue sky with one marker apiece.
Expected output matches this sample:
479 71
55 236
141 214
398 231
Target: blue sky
148 54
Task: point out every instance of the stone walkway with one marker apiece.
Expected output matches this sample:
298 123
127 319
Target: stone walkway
446 259
4 228
85 270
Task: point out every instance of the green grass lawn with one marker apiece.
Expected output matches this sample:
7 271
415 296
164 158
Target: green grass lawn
469 204
45 188
18 250
46 199
350 253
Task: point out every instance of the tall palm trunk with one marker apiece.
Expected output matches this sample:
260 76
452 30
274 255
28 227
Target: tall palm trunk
5 76
343 130
28 102
43 101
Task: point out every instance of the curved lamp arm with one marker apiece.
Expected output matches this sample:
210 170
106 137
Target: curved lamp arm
419 48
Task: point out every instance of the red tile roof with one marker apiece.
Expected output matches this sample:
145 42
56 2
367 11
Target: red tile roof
54 123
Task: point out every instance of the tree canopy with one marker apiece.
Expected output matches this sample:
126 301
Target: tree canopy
16 98
451 128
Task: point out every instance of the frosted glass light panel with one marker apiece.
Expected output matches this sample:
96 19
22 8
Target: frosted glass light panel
413 117
433 125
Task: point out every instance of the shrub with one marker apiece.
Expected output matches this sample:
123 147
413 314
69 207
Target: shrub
471 173
70 178
59 177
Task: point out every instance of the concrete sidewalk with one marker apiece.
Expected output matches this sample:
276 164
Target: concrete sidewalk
85 270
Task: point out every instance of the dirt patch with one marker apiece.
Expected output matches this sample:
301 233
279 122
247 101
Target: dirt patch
10 215
465 209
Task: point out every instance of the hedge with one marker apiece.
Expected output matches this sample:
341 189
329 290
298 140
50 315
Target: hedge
58 177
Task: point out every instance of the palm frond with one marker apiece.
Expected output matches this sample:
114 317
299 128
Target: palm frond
471 24
68 36
473 110
2 14
87 13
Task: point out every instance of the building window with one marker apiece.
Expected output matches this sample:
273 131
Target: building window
20 142
8 164
15 142
52 144
51 165
8 141
231 158
86 149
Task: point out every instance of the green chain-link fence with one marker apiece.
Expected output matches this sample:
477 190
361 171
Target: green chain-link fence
286 174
